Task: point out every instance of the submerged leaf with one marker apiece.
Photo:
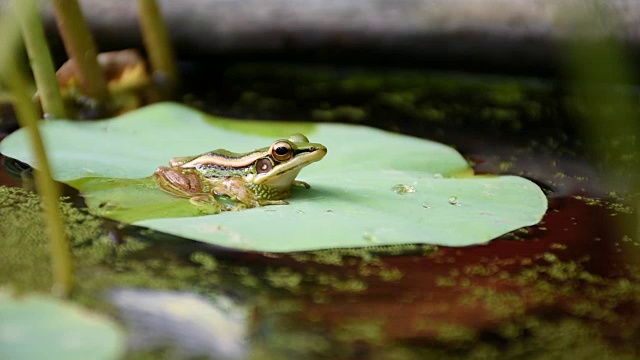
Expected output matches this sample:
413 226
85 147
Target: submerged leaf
373 187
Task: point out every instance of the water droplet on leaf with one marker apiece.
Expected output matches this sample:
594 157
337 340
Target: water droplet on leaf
402 189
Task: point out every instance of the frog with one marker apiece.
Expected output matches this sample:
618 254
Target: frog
261 177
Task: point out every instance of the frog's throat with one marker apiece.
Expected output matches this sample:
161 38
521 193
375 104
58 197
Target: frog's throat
287 172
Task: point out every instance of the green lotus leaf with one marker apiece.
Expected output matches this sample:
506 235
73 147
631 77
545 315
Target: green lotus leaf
40 327
373 187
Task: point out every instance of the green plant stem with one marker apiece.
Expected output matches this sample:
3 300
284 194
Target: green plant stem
60 253
40 57
157 43
81 48
13 75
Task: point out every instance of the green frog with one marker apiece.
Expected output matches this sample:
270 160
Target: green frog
261 177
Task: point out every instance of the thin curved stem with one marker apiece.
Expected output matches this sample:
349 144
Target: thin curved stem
40 57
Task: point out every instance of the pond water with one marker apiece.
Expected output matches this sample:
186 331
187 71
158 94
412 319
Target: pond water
569 286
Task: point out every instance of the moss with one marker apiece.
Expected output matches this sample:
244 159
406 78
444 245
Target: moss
284 278
207 261
24 261
442 281
391 99
481 269
392 274
432 114
370 331
341 285
455 334
297 342
327 257
615 207
548 280
261 102
501 305
557 246
367 255
343 113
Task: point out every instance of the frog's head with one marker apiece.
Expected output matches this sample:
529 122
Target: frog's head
284 159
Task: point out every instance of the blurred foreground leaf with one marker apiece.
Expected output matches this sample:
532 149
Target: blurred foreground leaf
40 327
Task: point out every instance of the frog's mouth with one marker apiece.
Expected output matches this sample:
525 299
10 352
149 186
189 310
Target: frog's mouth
283 174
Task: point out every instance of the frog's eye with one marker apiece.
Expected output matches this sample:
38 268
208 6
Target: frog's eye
263 165
281 151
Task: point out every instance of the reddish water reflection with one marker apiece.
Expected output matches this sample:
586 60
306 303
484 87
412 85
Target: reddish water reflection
574 263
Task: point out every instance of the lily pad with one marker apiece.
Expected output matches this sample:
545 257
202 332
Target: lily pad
39 327
372 188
